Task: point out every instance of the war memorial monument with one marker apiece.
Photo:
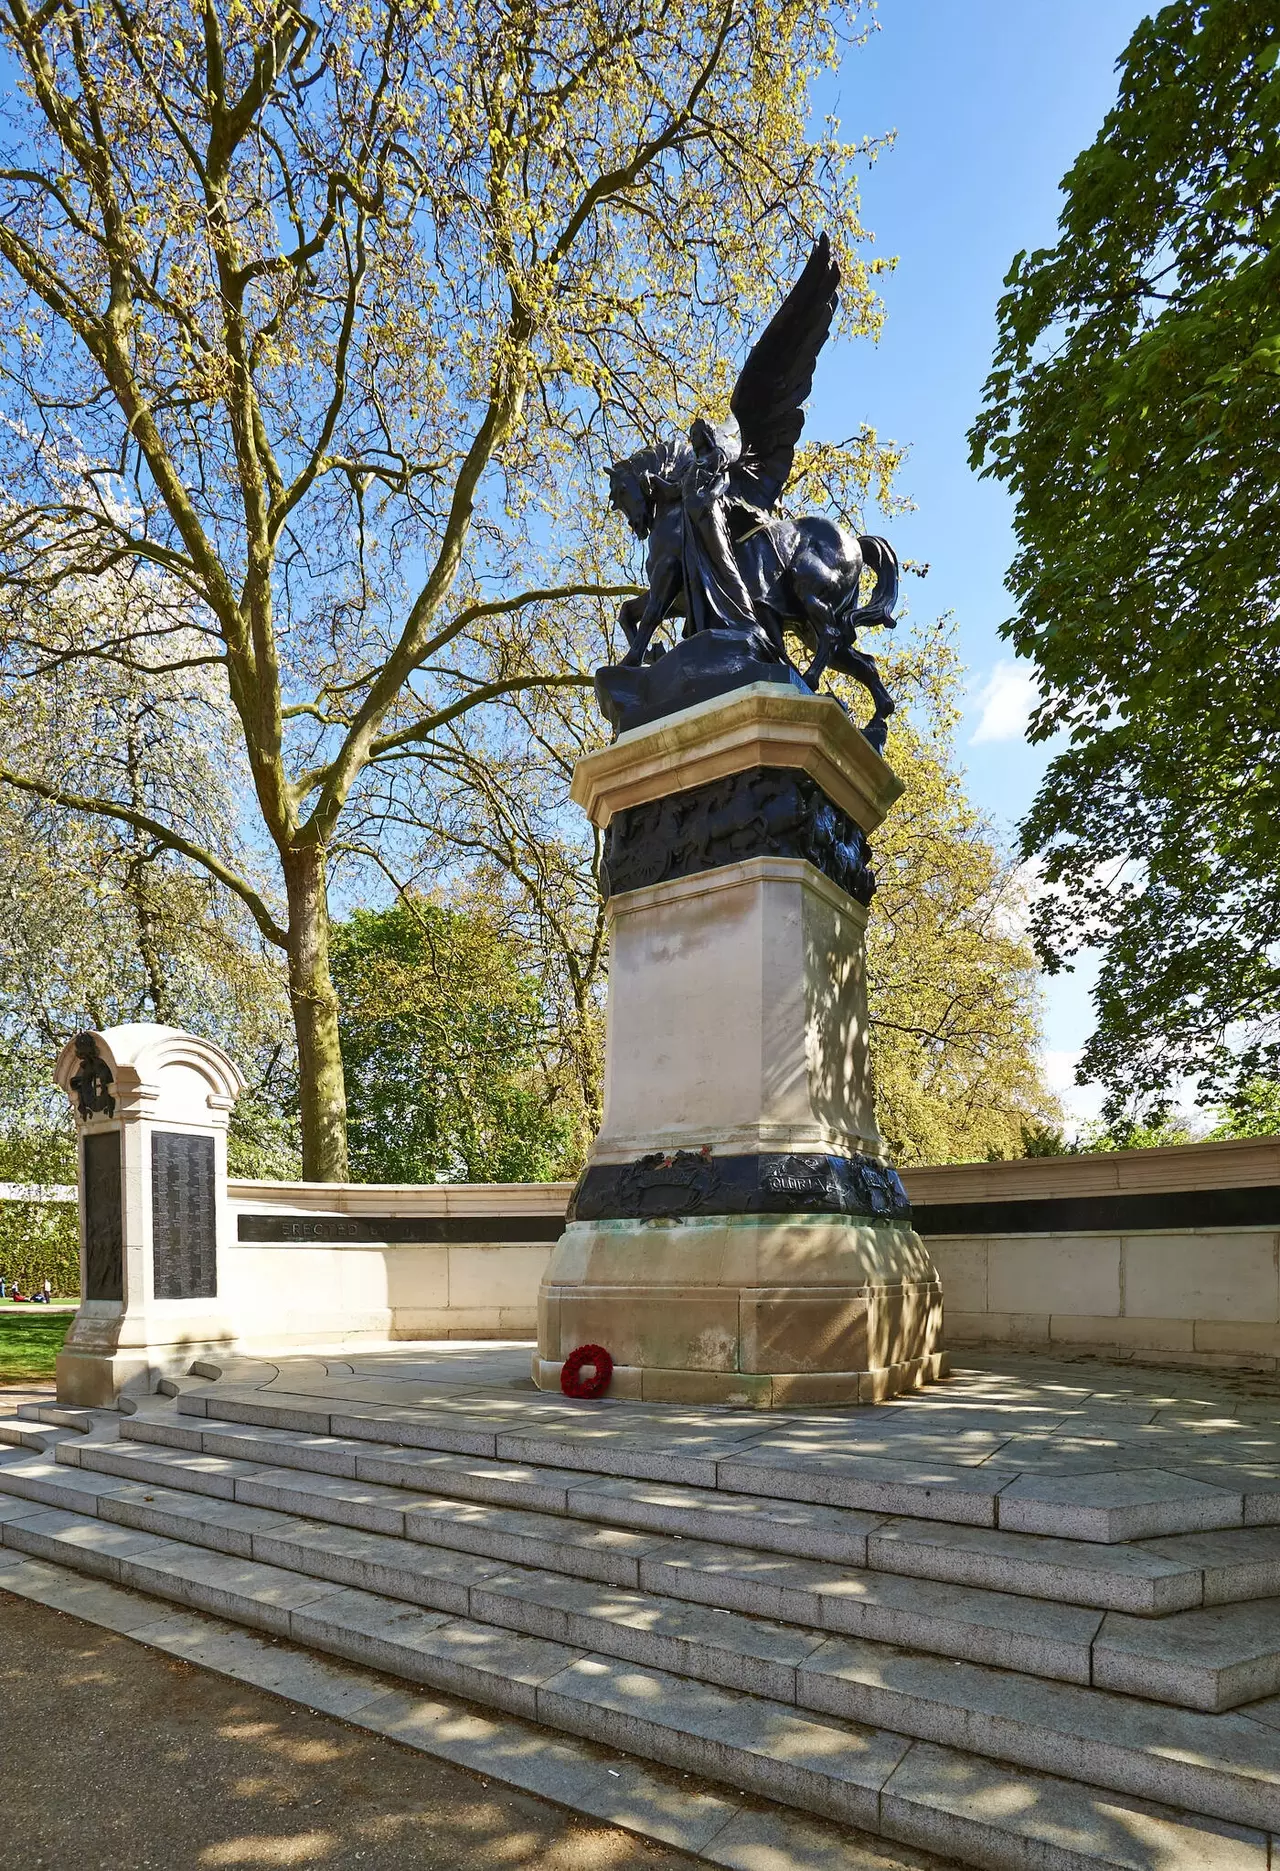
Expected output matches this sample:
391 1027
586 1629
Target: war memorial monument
737 1235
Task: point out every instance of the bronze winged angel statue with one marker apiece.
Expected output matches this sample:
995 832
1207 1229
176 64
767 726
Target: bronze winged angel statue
723 558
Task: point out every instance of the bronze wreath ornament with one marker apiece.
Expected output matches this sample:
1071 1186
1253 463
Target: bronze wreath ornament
587 1357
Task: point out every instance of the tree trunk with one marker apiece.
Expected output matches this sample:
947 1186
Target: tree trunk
322 1095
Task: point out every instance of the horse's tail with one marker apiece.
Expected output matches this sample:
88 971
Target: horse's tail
879 556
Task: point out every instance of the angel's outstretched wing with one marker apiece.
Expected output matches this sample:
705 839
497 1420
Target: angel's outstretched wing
778 376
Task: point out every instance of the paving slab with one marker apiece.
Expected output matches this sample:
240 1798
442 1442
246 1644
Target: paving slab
254 1442
361 1504
839 1479
1128 1504
1237 1563
500 1484
497 1667
1140 1580
761 1838
92 1545
763 1747
205 1474
227 1526
956 1620
794 1527
591 1453
1224 1766
610 1554
1215 1658
626 1794
41 1478
950 1802
260 1596
746 1653
373 1562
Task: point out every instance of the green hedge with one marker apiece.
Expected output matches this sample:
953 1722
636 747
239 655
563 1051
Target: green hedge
40 1241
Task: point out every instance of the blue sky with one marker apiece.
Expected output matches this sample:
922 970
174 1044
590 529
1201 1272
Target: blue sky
991 101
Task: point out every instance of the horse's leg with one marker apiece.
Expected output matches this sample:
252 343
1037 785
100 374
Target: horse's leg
662 595
824 633
862 667
630 612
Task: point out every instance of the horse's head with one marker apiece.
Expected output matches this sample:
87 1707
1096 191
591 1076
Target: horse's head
628 497
642 482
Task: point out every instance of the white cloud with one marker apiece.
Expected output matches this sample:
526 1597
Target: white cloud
1006 700
1082 1103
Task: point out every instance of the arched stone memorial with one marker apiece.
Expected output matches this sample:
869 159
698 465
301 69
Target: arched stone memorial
151 1106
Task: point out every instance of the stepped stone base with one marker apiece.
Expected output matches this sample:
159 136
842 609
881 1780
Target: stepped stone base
1030 1620
108 1353
756 1311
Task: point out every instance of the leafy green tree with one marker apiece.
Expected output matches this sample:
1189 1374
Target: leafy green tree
1254 1111
440 1024
952 981
1155 1129
1134 411
99 925
322 323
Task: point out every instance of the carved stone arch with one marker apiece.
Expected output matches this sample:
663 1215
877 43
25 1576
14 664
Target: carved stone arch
140 1054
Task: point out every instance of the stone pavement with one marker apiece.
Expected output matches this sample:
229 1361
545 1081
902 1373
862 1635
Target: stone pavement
1029 1618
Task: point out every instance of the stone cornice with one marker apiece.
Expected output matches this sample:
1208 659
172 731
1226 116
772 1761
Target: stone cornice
765 725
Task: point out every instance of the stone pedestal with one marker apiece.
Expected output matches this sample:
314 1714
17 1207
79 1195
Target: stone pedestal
152 1105
737 1235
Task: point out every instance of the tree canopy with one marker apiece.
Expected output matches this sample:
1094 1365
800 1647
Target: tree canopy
440 1029
318 326
100 923
1134 411
951 977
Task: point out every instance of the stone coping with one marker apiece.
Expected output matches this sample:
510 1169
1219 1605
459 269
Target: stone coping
764 725
1241 1162
389 1198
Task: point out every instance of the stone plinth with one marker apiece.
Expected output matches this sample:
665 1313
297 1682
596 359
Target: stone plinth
152 1106
737 1235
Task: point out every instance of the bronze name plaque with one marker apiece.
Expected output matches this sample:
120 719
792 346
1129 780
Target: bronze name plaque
184 1228
103 1217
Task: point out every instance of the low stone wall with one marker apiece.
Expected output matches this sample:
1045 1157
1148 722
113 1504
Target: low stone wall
323 1262
1168 1255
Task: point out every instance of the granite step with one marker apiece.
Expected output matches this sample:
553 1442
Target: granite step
18 1433
59 1416
827 1754
1209 1660
1149 1579
1100 1504
685 1630
976 1811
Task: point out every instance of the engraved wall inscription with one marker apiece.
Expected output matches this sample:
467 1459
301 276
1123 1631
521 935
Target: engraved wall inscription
103 1217
402 1230
183 1218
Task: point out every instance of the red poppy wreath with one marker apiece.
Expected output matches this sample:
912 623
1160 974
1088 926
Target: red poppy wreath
593 1358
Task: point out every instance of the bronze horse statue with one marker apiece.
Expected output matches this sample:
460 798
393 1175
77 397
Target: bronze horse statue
721 557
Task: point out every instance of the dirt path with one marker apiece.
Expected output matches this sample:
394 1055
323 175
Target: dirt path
117 1758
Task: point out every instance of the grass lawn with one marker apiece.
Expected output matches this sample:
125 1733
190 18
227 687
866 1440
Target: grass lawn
30 1340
